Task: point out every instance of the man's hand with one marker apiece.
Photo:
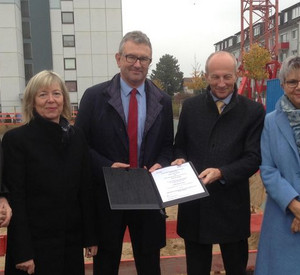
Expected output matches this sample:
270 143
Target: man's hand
5 212
210 175
120 165
91 251
155 167
27 266
178 162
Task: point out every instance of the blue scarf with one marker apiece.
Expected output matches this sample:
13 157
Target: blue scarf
293 115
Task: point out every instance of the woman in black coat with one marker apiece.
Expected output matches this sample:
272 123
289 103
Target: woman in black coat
47 173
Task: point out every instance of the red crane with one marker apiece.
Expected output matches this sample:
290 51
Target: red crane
259 24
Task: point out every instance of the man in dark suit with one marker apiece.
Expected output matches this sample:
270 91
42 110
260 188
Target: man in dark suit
224 147
103 116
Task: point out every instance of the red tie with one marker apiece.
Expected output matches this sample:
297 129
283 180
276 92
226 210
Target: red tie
133 129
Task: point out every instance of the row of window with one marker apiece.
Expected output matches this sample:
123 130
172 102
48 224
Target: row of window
69 41
229 42
71 84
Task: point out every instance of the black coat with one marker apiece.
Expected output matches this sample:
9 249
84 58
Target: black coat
102 118
230 142
50 186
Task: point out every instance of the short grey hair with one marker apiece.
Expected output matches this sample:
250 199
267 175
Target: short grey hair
291 63
137 37
220 53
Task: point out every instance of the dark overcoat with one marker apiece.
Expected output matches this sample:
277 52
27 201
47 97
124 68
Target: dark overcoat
102 118
50 186
230 142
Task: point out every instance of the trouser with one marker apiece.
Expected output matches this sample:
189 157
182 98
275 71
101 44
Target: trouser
107 260
107 263
199 257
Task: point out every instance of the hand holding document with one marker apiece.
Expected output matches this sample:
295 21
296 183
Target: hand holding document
176 182
138 189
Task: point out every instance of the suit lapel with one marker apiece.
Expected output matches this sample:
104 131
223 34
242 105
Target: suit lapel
114 92
153 105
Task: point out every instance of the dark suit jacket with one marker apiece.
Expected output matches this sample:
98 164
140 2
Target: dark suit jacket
102 119
230 142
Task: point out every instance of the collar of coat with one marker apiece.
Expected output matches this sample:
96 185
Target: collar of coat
154 97
232 103
57 132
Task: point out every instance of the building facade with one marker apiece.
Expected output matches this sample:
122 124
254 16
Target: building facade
76 38
288 40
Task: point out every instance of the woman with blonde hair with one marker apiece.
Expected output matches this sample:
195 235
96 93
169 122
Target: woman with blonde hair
46 169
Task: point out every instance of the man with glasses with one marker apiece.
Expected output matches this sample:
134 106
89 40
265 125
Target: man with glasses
128 122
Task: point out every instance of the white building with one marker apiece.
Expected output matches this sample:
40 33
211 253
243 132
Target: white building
76 38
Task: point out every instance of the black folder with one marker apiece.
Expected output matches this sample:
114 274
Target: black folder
135 188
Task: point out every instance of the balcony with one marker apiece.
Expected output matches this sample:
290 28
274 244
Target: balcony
283 46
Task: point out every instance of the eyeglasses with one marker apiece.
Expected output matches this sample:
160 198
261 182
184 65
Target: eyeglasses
293 83
145 61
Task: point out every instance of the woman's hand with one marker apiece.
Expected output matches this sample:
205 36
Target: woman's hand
27 266
295 227
294 206
91 251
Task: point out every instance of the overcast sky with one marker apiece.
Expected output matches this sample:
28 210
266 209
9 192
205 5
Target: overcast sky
186 29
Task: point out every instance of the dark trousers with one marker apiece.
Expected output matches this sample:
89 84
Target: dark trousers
107 261
199 257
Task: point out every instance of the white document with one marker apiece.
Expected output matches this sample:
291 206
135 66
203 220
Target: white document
176 182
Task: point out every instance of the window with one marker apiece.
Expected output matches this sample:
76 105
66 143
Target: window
28 72
295 12
27 50
69 40
285 17
282 56
70 63
25 8
74 107
67 17
283 38
238 38
272 23
54 4
272 41
256 30
230 42
295 34
26 30
71 85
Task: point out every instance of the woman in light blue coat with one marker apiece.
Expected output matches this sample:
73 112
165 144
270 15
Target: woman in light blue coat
279 245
